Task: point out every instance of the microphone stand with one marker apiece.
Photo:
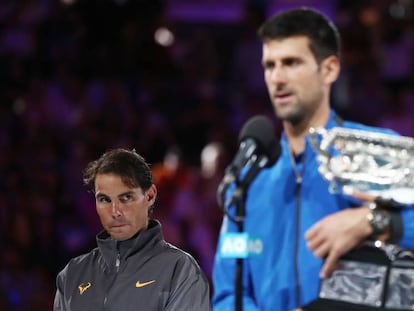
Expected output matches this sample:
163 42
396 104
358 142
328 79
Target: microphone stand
239 197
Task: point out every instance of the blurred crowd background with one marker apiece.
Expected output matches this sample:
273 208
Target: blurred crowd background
175 80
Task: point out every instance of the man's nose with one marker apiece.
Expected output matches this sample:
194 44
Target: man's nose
278 75
116 209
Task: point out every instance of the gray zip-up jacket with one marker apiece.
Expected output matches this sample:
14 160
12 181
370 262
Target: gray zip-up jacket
144 273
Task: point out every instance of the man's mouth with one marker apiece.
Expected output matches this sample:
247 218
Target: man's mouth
118 225
283 98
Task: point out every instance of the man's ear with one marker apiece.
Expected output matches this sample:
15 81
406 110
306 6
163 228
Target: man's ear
331 67
151 194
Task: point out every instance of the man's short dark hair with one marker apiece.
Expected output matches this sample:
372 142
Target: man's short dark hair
322 33
129 165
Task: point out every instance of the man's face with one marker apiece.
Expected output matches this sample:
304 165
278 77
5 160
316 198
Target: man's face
293 78
123 211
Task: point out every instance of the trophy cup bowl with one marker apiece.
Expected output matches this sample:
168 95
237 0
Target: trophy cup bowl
358 160
376 275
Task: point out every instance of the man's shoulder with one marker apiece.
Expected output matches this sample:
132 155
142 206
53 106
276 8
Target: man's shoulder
75 263
177 254
85 257
370 128
176 251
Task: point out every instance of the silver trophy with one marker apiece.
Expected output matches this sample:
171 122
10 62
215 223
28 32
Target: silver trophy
378 275
357 160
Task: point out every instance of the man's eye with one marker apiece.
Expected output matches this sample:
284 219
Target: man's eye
268 65
125 198
292 62
103 200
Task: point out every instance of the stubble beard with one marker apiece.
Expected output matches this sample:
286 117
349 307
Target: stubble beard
293 115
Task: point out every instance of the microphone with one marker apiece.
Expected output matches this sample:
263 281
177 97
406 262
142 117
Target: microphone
258 148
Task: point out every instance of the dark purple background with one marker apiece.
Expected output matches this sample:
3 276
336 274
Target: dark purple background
78 79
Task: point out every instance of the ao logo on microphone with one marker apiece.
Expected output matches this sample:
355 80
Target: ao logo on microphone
239 245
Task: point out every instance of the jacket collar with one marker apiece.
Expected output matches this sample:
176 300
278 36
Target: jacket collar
333 121
110 249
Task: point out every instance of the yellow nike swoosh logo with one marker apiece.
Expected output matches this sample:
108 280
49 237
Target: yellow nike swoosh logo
139 284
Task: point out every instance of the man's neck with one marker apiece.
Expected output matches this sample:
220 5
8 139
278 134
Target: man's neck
295 133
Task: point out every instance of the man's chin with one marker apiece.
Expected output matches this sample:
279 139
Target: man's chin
120 234
287 115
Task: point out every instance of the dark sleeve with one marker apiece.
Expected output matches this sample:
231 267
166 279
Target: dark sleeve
396 227
190 288
58 304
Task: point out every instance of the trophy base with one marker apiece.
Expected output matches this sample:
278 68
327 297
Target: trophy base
368 279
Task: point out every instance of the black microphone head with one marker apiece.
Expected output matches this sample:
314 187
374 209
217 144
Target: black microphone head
260 128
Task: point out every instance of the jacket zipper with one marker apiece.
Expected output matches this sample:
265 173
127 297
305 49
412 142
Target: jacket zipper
117 265
298 169
118 261
296 249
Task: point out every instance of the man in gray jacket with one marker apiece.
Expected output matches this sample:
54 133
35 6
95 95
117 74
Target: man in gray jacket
133 267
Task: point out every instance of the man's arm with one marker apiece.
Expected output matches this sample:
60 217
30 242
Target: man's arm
190 290
59 303
336 234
